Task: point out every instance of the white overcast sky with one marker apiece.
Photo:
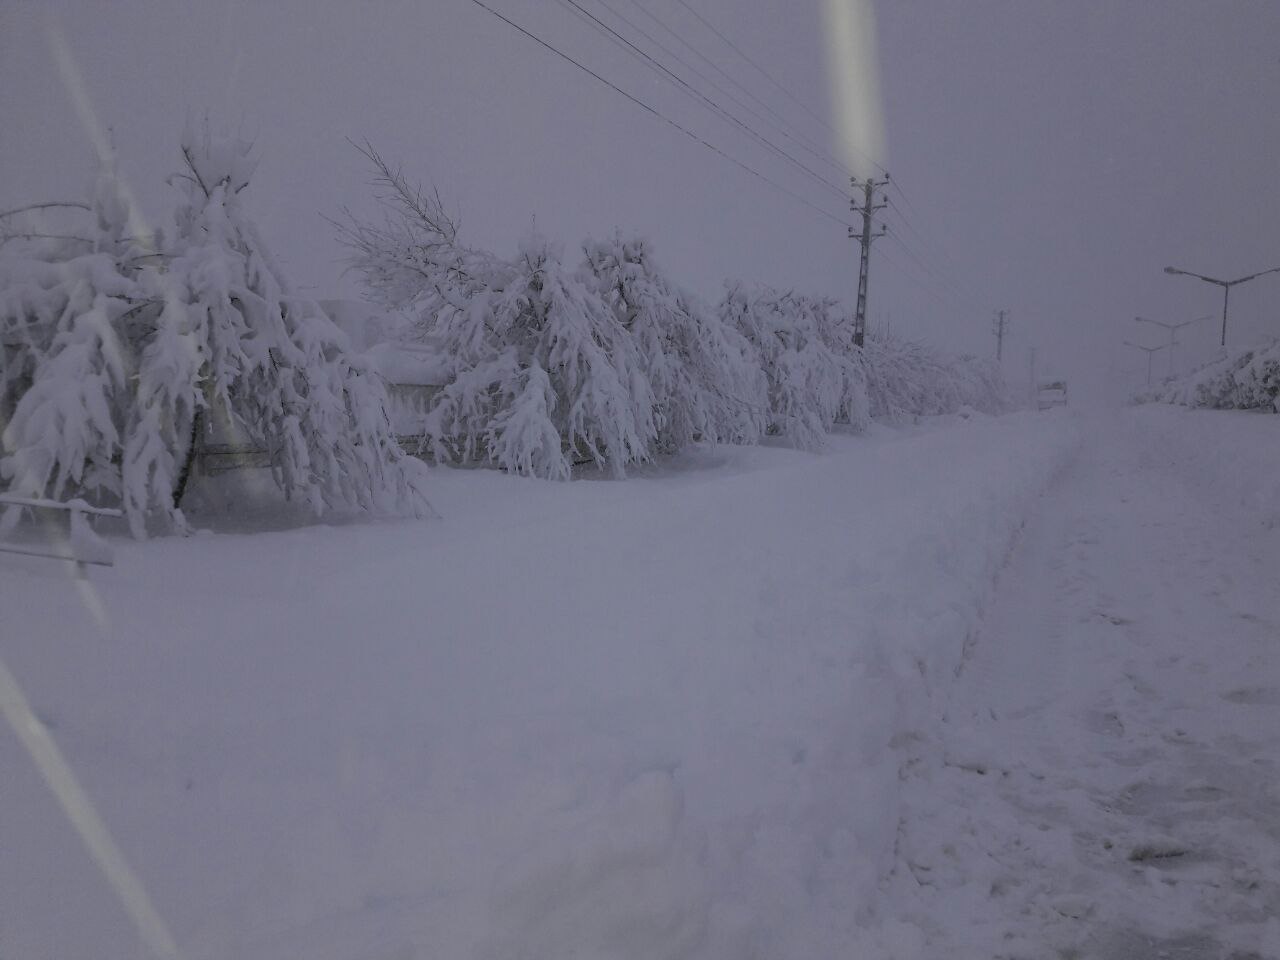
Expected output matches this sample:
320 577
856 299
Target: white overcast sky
1055 154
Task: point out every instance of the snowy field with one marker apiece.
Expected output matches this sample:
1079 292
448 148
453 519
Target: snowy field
994 687
1107 783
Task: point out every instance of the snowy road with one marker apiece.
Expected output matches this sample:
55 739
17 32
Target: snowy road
680 716
1108 785
662 717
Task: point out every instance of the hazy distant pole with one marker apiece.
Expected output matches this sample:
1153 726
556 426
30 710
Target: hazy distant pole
1173 329
1226 286
1031 373
1150 352
998 327
868 208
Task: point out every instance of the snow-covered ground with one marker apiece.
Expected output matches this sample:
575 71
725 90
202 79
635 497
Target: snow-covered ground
1107 783
753 703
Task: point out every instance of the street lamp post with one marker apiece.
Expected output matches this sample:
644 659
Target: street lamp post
1226 286
1150 352
1173 329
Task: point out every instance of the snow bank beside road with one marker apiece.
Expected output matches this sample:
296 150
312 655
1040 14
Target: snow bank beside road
1230 452
663 717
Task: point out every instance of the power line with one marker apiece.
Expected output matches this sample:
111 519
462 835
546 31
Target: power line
768 76
906 275
777 125
928 273
648 109
942 281
929 247
934 248
688 88
954 288
926 283
778 122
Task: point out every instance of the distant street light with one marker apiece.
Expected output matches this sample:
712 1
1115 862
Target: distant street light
1226 286
1150 352
1173 329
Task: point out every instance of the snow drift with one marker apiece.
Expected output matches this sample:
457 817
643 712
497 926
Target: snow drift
660 717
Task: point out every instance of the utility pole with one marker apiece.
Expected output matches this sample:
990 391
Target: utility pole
868 208
998 327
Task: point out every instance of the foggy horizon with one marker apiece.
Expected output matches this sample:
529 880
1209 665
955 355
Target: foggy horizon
1052 158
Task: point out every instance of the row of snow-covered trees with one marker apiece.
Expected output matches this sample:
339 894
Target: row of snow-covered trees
1247 379
121 346
606 360
123 350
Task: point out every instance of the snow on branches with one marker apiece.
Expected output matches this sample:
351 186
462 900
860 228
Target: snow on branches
1247 379
611 362
119 359
807 355
546 364
539 372
907 380
701 373
69 308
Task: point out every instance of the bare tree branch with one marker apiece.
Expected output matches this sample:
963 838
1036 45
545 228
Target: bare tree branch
44 206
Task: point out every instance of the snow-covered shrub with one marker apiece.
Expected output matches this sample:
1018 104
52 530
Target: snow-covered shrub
138 353
812 379
835 327
543 374
703 377
907 379
1247 379
271 366
613 362
72 308
539 372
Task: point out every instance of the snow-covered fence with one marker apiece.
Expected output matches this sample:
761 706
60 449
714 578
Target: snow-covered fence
82 545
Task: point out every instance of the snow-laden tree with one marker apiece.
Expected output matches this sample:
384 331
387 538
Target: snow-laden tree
1246 379
813 382
704 379
906 379
73 305
126 357
236 348
835 329
539 372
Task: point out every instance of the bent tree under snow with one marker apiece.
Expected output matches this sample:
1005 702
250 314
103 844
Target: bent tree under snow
539 370
701 373
124 357
611 362
799 342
